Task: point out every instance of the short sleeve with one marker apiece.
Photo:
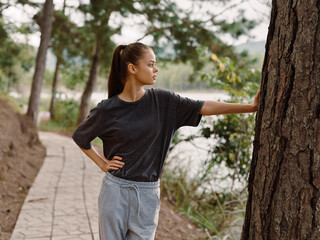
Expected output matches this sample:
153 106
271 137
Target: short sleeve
89 128
188 111
182 111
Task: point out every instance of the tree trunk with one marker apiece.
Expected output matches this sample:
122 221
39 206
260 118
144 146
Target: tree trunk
85 99
46 26
56 75
284 181
54 89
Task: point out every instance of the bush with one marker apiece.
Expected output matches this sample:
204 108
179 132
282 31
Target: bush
66 113
65 116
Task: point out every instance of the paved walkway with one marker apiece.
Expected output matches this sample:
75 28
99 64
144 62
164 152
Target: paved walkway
62 202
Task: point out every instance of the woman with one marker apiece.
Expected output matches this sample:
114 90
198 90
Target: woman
136 126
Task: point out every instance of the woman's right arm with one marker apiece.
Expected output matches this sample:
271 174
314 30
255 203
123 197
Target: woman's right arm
103 163
88 130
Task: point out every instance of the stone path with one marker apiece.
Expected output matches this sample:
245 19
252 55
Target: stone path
62 202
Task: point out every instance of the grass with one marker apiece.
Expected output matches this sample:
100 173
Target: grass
16 104
52 125
219 214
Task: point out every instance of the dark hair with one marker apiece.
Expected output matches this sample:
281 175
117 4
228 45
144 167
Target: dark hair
122 56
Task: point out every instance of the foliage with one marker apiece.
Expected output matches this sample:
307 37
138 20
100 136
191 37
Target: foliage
177 32
16 59
72 75
65 37
236 78
48 75
233 132
66 112
220 213
9 52
67 42
98 31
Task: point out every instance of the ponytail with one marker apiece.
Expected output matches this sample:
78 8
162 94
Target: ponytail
115 82
122 56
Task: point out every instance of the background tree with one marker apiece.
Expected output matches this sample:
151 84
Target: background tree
66 42
184 32
97 23
9 52
284 182
46 25
16 58
60 39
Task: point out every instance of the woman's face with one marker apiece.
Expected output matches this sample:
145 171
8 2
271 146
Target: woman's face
145 70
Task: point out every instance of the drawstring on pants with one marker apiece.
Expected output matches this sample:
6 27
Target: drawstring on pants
135 187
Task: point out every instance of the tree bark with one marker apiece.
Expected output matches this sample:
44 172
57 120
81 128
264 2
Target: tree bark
85 99
284 181
54 89
46 26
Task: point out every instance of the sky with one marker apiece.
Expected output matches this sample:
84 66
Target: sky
131 31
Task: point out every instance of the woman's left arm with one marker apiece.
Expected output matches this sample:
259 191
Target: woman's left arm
215 108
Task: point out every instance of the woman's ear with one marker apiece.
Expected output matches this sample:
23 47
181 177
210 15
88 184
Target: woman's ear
131 68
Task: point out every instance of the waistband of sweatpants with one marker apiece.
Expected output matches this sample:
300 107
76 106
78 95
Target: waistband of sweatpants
121 181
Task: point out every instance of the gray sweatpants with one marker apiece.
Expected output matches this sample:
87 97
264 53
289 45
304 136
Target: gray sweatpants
128 210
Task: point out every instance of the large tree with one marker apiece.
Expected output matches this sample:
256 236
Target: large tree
284 182
45 26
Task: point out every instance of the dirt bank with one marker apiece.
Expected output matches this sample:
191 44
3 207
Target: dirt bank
21 156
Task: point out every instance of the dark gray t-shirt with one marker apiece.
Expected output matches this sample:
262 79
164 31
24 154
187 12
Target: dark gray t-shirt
140 132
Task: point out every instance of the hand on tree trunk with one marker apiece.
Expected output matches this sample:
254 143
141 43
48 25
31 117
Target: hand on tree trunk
256 101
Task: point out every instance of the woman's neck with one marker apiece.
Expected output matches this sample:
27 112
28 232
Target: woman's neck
132 92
